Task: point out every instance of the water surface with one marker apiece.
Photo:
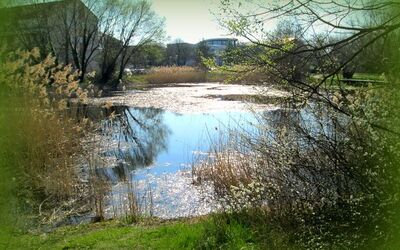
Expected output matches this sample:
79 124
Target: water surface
154 152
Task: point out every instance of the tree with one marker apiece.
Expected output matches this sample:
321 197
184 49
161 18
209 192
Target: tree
134 26
150 55
83 28
89 34
179 53
202 51
334 137
342 21
73 33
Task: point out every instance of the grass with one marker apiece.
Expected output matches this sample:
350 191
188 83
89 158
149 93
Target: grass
115 235
164 76
368 76
8 169
334 81
218 76
40 145
181 234
358 76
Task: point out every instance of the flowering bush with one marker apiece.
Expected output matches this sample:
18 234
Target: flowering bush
330 172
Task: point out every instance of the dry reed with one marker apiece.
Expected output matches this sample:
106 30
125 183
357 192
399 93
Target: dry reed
184 74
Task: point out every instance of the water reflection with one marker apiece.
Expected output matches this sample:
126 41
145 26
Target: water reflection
154 150
136 137
132 137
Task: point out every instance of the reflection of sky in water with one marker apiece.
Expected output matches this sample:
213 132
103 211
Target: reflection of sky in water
191 135
168 179
160 168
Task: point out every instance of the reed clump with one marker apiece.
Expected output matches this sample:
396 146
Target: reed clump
43 142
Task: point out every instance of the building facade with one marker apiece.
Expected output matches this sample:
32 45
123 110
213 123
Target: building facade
186 54
217 46
57 27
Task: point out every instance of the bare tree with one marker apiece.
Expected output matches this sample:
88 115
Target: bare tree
179 52
86 33
73 33
82 29
134 26
349 27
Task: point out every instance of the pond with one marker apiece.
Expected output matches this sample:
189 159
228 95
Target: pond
156 136
148 153
152 153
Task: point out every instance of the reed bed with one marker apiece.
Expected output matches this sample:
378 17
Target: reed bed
175 74
43 143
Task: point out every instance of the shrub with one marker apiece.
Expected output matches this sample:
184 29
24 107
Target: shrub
324 174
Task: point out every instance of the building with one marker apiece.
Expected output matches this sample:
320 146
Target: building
217 46
181 53
57 27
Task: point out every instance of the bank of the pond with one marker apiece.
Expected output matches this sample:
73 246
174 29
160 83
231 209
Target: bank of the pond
114 235
148 234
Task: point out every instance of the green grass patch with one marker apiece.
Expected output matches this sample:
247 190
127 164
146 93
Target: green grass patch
115 235
218 76
183 234
213 232
369 76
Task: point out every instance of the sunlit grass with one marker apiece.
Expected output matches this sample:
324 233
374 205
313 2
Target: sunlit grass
165 75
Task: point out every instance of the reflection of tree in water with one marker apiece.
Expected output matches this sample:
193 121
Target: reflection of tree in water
135 136
140 133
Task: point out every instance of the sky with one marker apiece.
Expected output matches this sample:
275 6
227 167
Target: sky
189 20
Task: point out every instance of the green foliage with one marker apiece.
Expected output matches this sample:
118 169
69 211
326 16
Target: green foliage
202 54
9 169
149 55
245 230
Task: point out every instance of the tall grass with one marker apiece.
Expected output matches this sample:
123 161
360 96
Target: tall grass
184 74
42 143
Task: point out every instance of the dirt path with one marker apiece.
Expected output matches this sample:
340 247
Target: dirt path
195 98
